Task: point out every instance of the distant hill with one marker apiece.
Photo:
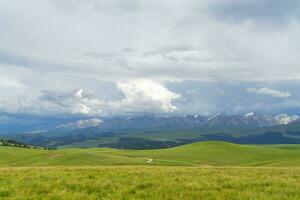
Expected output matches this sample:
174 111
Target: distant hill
200 153
13 143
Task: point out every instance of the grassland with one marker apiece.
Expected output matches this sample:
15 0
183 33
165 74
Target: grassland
206 170
196 154
167 183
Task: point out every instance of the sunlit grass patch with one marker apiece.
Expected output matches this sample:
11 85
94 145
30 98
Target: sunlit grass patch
149 183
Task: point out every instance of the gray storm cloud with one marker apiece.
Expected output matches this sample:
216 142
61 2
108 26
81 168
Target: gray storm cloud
52 45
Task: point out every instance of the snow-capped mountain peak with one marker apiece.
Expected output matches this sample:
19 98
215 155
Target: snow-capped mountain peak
286 119
82 124
250 120
214 116
192 116
250 114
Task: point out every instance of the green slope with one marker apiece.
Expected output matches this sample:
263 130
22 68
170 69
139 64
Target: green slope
283 146
201 153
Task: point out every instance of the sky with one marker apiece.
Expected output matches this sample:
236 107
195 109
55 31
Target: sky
171 57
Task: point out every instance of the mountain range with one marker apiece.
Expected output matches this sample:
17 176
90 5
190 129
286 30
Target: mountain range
146 122
151 131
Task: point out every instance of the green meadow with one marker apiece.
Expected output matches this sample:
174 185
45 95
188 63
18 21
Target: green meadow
205 170
142 182
196 154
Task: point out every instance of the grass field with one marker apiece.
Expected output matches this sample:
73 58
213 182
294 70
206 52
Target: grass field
207 170
140 182
196 154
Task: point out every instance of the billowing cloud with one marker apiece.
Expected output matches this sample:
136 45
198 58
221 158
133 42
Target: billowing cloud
269 92
146 91
140 96
53 103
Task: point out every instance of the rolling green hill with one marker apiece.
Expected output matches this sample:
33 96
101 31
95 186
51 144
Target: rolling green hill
196 154
202 170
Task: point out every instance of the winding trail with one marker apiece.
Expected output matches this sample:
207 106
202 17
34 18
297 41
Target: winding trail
150 160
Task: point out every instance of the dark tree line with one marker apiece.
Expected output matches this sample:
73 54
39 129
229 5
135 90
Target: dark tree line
14 143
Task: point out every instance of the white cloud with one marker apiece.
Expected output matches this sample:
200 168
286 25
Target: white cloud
145 91
6 82
77 44
47 102
140 95
138 39
269 92
190 56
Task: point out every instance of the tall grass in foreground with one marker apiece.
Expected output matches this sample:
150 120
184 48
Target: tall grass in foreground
149 183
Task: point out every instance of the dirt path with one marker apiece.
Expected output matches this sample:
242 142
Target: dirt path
150 160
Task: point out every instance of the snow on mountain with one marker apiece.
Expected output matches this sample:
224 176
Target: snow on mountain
214 116
286 119
250 114
82 124
281 119
249 120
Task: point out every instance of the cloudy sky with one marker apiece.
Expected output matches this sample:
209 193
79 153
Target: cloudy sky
102 58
